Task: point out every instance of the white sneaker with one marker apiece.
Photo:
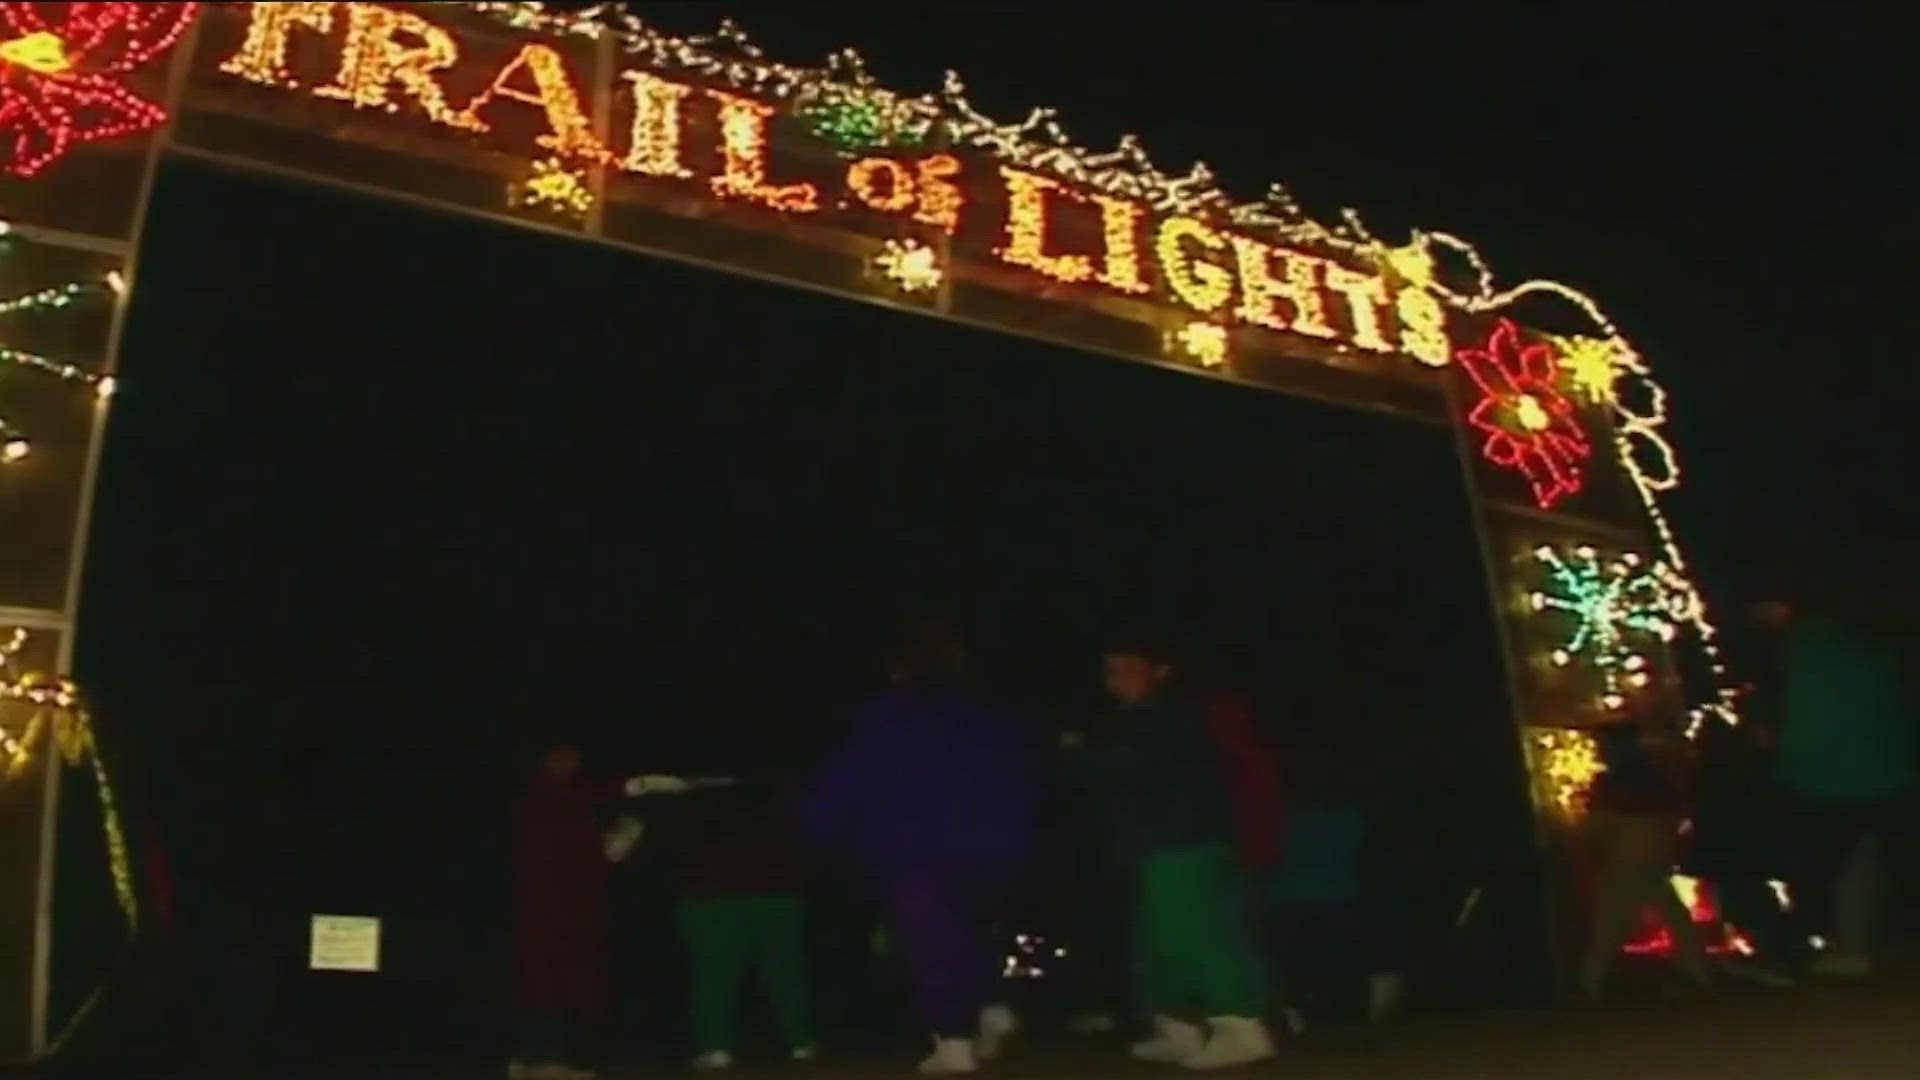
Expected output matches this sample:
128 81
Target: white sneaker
1173 1042
1236 1041
1385 991
1842 966
997 1024
1295 1019
950 1057
803 1054
1094 1024
519 1070
713 1061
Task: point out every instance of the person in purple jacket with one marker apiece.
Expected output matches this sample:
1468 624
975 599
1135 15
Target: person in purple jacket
934 797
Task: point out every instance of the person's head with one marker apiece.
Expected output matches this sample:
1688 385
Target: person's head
930 650
560 761
1135 672
1770 614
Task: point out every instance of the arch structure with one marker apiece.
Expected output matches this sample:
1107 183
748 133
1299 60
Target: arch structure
703 150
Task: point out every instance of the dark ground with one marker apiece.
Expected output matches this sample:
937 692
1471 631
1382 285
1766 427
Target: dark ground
1852 1031
1827 1032
1855 1032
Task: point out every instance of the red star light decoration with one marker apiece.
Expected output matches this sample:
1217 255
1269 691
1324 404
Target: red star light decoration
60 72
1528 422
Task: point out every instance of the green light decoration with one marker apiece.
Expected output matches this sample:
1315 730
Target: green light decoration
1615 607
858 120
14 444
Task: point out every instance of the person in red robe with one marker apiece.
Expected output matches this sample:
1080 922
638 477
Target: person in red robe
1254 776
562 912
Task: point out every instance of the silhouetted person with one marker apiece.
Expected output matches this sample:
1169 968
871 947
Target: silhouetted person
738 866
1253 777
1846 754
1111 984
1333 942
1739 844
1633 819
1090 886
1159 777
935 795
562 909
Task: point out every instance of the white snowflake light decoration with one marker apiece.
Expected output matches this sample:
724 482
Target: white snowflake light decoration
1204 341
1616 606
909 264
554 186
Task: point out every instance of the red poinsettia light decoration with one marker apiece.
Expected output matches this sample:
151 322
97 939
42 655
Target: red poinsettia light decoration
1529 424
60 71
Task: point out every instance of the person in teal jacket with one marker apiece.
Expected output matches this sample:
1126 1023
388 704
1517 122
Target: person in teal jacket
1846 754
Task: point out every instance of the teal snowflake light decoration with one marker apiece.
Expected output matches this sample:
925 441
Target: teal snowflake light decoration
14 444
1615 607
858 120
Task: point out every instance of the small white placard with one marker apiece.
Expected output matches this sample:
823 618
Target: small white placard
345 943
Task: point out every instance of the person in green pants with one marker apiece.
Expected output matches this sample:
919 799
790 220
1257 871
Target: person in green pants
740 877
1157 777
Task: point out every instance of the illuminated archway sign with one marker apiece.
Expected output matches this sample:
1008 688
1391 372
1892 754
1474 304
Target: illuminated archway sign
604 140
703 150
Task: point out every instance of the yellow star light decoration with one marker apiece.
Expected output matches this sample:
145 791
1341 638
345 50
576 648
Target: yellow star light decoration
1569 762
1413 263
1204 341
910 264
556 187
1591 364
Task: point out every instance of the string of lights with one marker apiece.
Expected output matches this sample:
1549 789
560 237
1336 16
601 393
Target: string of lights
14 444
36 709
66 75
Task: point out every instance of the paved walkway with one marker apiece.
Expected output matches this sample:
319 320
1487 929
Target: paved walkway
1866 1031
1857 1031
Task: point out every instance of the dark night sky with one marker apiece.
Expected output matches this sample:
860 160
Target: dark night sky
1728 182
384 522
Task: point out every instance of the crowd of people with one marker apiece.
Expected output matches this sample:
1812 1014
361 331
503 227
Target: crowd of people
1786 815
1234 911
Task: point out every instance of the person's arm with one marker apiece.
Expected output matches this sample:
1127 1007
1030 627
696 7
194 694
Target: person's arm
840 792
662 785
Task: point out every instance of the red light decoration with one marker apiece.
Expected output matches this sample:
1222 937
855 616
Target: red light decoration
1720 938
60 66
1529 424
